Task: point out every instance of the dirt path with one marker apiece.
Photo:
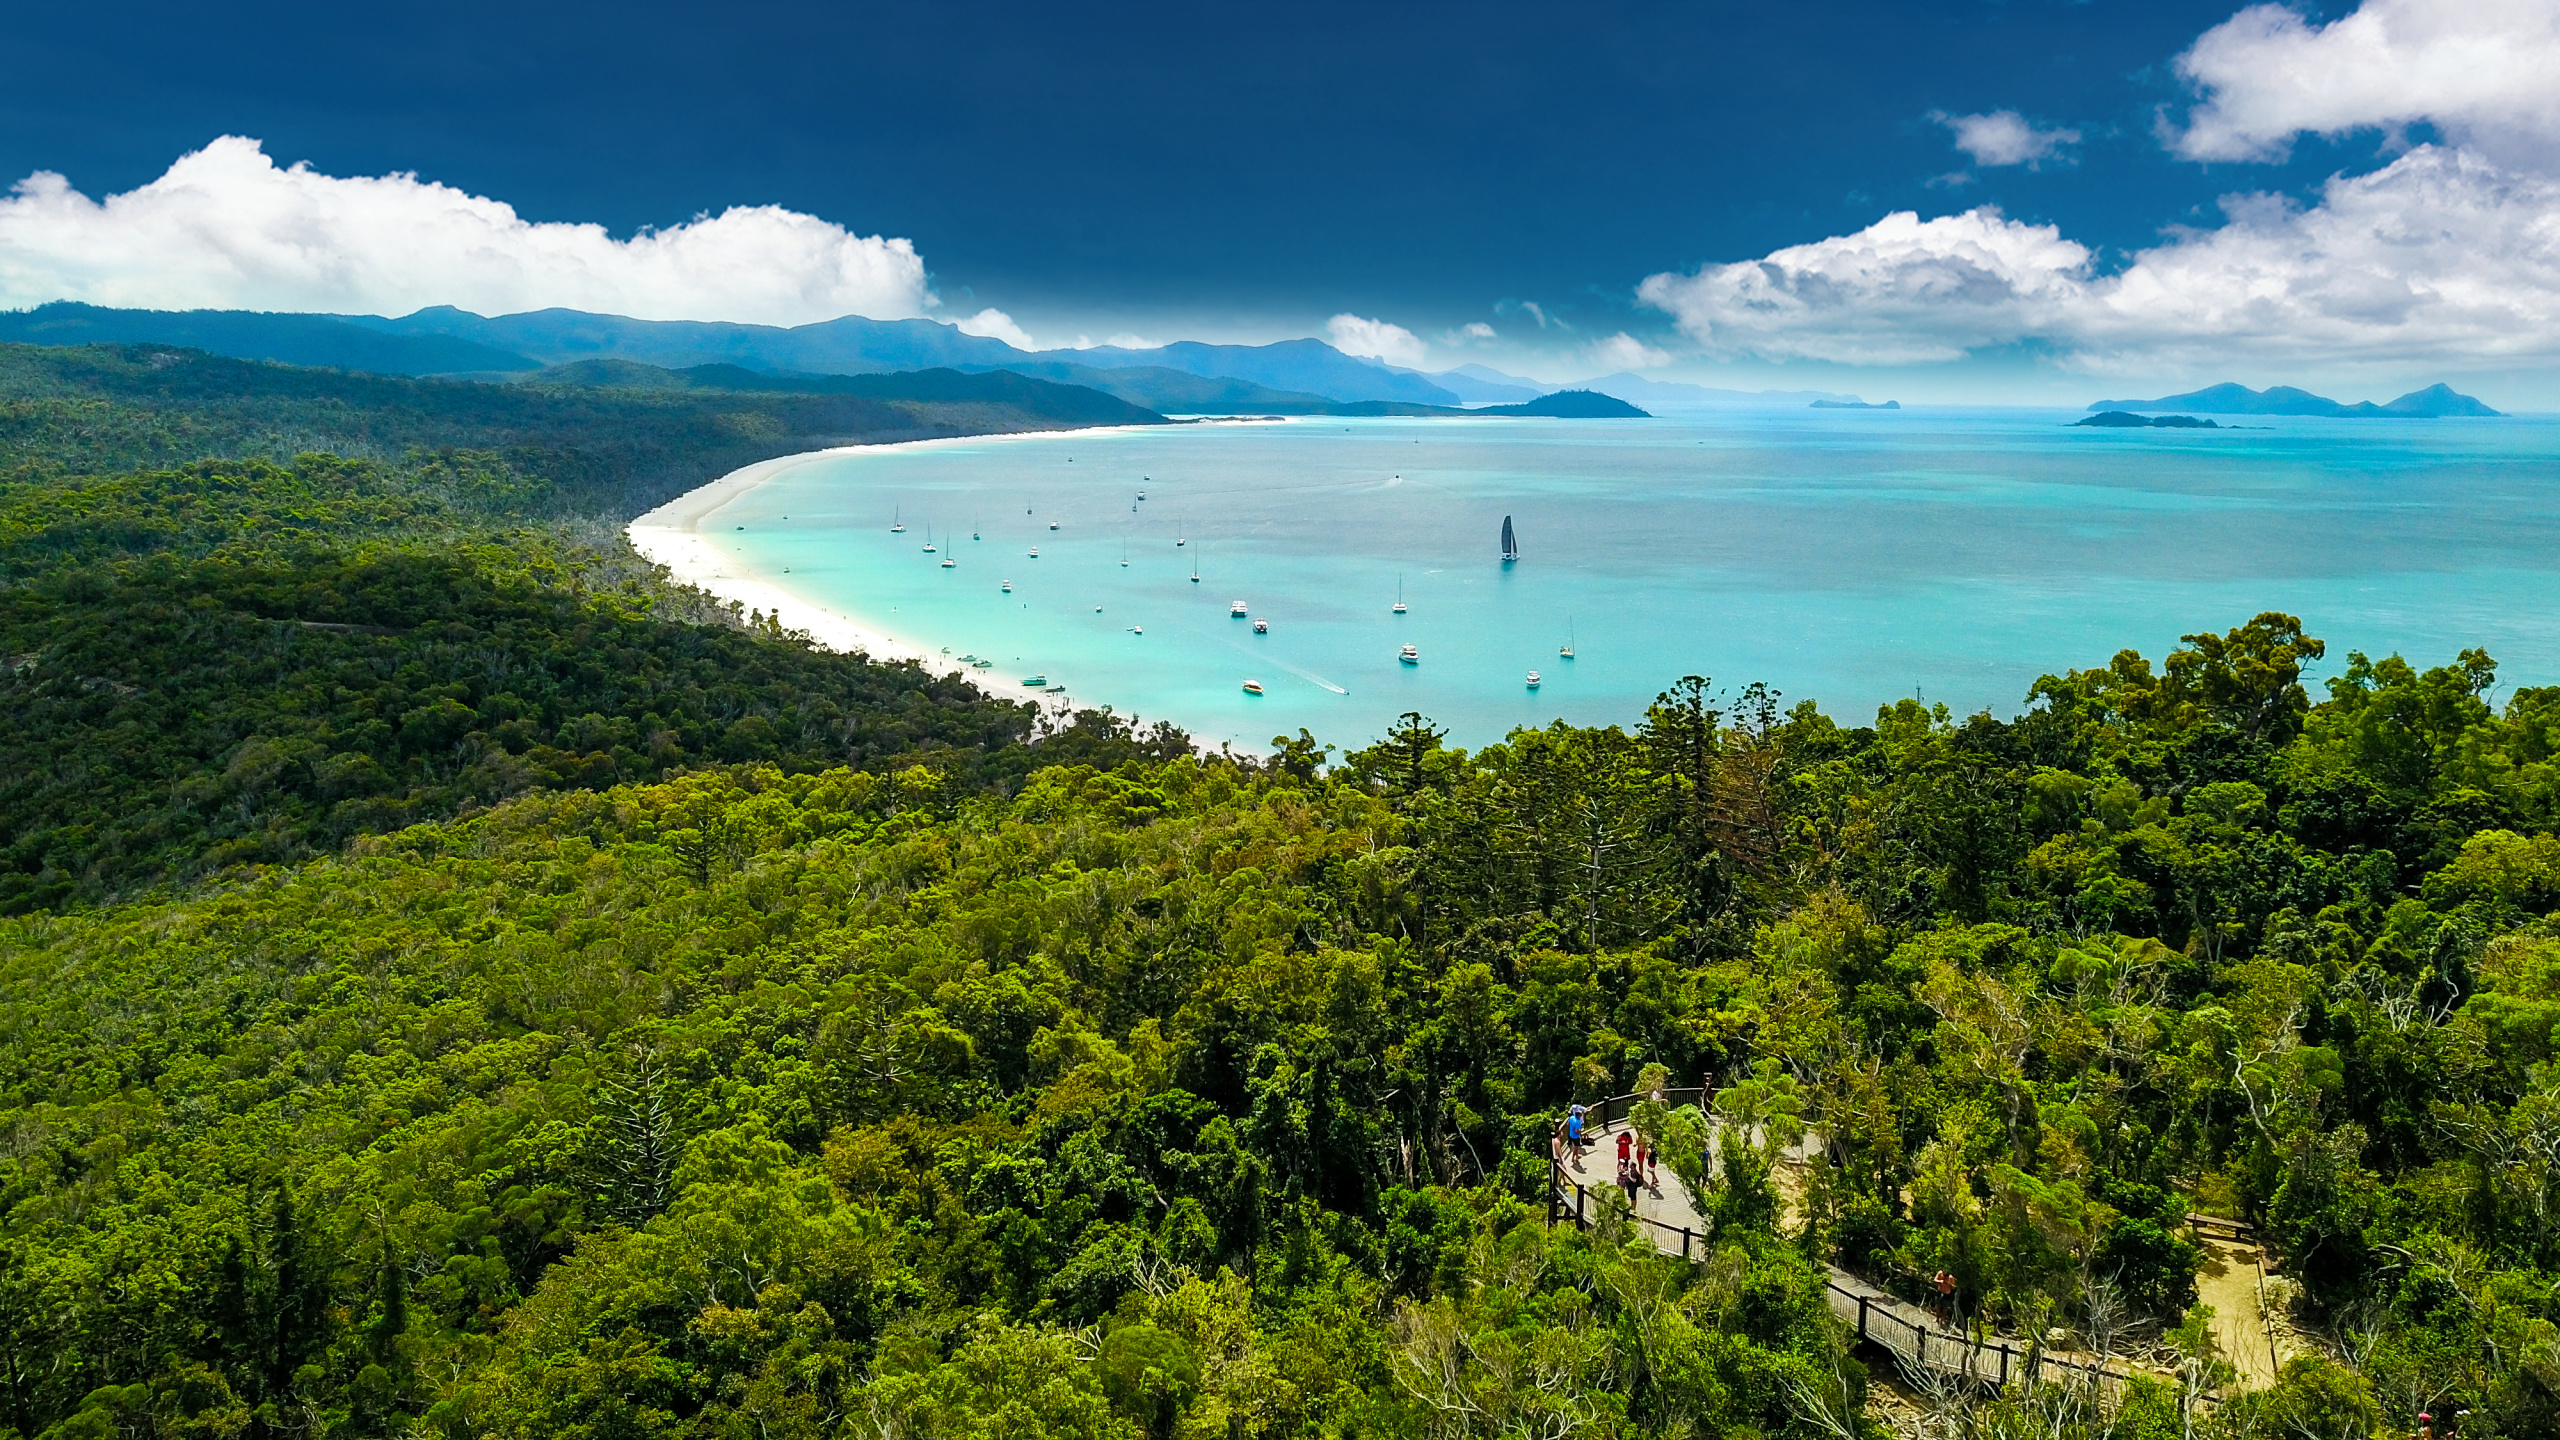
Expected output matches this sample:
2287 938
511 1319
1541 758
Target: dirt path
2234 1283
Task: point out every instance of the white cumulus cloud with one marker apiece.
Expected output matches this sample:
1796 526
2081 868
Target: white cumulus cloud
1623 351
1902 291
997 325
2487 72
1354 335
2005 137
226 228
2441 255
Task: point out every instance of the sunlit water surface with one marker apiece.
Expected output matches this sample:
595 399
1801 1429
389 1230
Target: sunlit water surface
1848 557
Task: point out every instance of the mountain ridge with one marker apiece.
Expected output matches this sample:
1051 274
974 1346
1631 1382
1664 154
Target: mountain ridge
318 341
2231 398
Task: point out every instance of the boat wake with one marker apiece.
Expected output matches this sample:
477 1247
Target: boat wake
1310 677
1262 656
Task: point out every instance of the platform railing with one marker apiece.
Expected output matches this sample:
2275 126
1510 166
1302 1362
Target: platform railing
1876 1318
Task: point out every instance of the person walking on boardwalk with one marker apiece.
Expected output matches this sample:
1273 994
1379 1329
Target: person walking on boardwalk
1945 1285
1650 1163
1626 1150
1573 1134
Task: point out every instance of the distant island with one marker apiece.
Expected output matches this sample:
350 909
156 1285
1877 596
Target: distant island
1570 405
1854 405
2228 399
2126 420
1562 405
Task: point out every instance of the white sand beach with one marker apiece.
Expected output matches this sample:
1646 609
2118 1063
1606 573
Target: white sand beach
673 535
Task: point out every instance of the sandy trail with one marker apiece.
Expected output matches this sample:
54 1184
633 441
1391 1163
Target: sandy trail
2233 1282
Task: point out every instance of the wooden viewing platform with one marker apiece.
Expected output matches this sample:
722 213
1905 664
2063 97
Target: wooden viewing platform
1577 1191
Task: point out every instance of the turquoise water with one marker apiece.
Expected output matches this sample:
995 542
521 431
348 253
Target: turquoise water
1848 557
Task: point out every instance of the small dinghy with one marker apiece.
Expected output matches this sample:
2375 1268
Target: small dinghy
1253 687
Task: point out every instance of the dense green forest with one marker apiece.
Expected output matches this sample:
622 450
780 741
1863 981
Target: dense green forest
423 606
880 1071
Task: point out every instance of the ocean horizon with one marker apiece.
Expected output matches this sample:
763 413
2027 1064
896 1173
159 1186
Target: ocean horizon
1853 558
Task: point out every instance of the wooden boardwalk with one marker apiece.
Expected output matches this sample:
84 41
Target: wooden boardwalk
1582 1189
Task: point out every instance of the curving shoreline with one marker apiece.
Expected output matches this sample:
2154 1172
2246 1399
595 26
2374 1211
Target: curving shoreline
673 536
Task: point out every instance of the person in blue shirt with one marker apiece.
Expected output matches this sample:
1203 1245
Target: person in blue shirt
1573 1133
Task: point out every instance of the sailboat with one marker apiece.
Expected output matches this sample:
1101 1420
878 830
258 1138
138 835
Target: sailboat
1567 650
1399 593
928 537
1124 554
897 526
973 529
1510 546
1177 534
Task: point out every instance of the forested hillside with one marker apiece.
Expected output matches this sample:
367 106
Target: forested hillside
860 1072
400 599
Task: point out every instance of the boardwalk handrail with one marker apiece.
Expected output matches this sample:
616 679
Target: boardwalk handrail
1877 1317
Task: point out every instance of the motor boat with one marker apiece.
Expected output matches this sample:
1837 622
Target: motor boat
1533 679
1410 656
1239 610
1261 627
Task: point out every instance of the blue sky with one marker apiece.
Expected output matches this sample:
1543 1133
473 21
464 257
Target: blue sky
1569 181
